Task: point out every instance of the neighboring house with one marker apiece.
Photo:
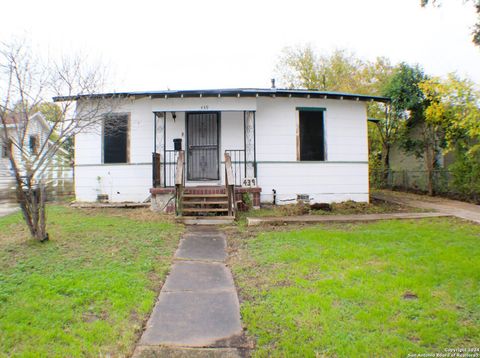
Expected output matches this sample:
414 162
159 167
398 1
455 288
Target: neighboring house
289 144
58 171
408 170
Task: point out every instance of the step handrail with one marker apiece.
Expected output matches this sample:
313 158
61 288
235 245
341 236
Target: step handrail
179 182
230 184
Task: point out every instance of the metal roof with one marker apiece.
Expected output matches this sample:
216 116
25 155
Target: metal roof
231 92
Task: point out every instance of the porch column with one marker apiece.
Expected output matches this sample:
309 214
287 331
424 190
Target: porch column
160 143
250 144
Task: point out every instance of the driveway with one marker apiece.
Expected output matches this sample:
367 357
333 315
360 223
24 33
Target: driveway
456 208
7 207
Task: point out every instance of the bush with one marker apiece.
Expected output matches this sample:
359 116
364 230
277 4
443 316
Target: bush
466 174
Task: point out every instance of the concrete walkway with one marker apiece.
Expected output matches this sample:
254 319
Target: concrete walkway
456 208
7 207
312 219
197 313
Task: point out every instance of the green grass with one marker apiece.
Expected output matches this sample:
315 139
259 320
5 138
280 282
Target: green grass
339 291
87 291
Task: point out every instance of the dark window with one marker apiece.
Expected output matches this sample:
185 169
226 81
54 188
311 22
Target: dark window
33 144
115 139
4 151
312 135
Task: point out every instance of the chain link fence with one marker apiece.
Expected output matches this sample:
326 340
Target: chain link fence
417 181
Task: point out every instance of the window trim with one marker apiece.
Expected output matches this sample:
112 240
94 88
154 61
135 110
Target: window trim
36 145
325 152
4 150
128 114
311 109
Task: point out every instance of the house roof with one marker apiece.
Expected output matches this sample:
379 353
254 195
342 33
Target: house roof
13 118
16 119
231 92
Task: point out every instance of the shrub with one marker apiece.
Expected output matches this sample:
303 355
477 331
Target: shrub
466 174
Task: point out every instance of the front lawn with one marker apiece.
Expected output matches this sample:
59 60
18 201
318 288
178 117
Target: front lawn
384 289
88 290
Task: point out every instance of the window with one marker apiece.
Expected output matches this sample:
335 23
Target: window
4 151
33 144
311 135
115 138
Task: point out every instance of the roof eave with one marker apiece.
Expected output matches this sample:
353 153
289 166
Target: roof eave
230 93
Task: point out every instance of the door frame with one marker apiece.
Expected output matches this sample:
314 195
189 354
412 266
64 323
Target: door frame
187 144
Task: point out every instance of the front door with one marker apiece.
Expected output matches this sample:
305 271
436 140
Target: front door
202 146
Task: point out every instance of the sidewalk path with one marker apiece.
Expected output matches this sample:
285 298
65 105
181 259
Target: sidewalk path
197 313
7 208
314 219
453 207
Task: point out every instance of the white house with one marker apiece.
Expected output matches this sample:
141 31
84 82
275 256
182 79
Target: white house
57 171
288 144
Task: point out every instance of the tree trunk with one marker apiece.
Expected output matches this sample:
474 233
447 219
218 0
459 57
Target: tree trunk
32 204
385 163
430 160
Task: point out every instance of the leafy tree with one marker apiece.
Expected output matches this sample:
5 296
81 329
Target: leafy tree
406 105
301 67
298 68
476 28
375 149
453 117
51 111
458 101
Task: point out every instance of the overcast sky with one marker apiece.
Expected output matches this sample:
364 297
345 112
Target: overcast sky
155 45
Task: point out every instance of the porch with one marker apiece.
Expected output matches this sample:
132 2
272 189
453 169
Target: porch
204 162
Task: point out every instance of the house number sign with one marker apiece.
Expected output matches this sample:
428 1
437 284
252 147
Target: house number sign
250 182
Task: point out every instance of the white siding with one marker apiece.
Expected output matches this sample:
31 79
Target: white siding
204 104
57 172
174 129
6 178
345 128
231 127
343 176
122 182
327 182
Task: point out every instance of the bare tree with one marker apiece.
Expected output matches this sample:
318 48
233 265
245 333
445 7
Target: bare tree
25 82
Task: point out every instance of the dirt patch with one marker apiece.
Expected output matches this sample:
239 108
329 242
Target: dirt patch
139 214
344 208
409 296
90 317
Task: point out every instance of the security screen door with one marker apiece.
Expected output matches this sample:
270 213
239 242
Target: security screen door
202 146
